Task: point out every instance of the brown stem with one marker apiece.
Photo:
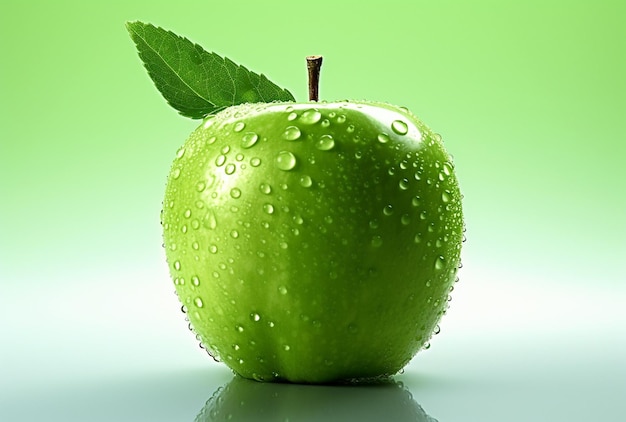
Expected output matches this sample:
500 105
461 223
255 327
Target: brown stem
314 64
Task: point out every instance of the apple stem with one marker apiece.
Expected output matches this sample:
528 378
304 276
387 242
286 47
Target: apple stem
314 64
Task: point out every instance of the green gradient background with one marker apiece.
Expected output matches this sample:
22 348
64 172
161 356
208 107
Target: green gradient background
529 97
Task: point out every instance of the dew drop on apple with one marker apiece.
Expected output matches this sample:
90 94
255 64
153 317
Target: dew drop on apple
200 186
292 133
377 241
249 139
235 193
213 249
285 160
405 219
383 138
399 127
388 210
403 184
325 123
234 234
180 153
439 262
239 126
306 181
286 348
210 221
292 116
311 116
177 265
230 169
220 160
198 302
268 208
255 317
325 143
265 188
239 328
445 196
255 161
282 290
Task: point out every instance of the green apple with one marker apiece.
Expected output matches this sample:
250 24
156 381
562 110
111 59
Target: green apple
313 242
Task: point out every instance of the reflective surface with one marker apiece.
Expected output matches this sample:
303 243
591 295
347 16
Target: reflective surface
532 354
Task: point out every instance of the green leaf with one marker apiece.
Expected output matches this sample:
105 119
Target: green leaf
194 81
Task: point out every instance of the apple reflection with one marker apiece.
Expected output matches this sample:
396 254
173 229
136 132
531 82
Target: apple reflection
246 400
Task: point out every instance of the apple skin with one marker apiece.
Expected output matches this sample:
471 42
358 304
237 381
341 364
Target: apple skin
313 242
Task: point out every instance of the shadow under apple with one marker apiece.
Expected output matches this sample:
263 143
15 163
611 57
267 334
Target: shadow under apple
246 400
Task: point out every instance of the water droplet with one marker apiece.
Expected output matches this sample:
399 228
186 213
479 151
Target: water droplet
377 241
198 302
211 140
383 138
234 234
255 317
437 329
292 116
195 280
405 219
445 196
195 245
235 193
306 181
423 215
239 126
255 162
213 249
180 153
439 263
230 169
177 265
417 238
220 160
350 128
325 123
268 208
249 139
187 213
265 188
325 143
282 290
399 127
239 328
210 221
200 186
310 117
415 201
428 284
286 347
225 149
285 160
292 133
388 209
404 184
